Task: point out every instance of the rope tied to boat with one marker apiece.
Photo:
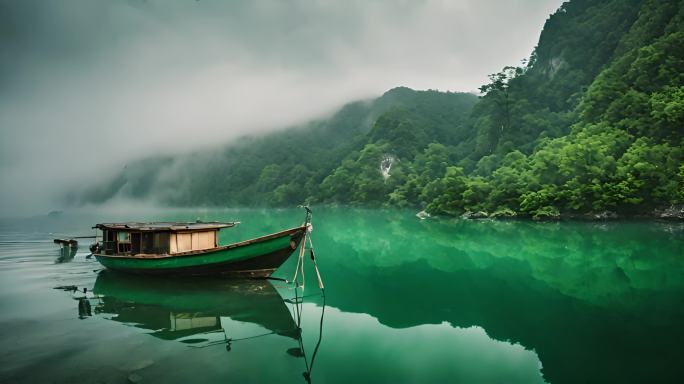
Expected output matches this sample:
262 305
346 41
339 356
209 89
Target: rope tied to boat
315 264
306 238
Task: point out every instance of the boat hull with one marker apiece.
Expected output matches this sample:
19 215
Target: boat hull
254 258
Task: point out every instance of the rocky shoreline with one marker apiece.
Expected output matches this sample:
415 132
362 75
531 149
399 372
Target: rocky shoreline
671 213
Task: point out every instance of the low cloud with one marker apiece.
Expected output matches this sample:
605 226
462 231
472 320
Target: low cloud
86 87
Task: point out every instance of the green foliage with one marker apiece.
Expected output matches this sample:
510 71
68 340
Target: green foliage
431 164
649 171
476 195
547 212
445 194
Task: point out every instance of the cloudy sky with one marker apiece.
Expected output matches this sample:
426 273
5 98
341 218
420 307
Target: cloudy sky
86 86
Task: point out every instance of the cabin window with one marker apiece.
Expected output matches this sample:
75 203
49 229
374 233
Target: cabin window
124 237
109 241
136 242
124 242
155 243
161 242
109 236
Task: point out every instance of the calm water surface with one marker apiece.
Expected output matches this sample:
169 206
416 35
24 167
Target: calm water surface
407 301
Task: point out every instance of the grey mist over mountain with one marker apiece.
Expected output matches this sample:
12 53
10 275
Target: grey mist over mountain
87 87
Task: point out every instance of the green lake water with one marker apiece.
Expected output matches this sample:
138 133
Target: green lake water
406 301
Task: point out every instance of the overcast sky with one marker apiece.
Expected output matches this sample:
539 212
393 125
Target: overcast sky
85 86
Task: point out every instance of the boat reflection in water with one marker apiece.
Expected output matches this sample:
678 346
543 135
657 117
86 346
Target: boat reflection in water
193 311
66 254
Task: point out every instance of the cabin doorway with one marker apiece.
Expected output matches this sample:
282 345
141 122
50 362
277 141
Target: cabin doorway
135 243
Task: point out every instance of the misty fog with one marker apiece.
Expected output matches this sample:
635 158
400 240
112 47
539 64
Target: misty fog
89 86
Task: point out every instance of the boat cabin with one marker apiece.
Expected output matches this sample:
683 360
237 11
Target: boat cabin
162 238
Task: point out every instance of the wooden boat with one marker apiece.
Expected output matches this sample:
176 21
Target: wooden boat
192 249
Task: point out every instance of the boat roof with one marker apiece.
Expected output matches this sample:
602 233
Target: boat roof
168 226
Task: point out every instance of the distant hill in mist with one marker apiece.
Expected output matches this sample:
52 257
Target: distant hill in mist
288 166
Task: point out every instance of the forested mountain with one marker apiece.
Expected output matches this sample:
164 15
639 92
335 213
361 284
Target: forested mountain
287 167
592 122
624 149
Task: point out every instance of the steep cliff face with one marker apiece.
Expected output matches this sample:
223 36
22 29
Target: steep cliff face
576 43
538 100
604 95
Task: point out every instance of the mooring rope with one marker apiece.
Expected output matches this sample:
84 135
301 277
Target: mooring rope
307 375
318 273
301 258
306 238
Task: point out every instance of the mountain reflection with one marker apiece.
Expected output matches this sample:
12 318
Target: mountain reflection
586 297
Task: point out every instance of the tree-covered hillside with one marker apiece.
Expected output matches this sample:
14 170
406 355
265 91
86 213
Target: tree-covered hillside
593 122
287 168
623 152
